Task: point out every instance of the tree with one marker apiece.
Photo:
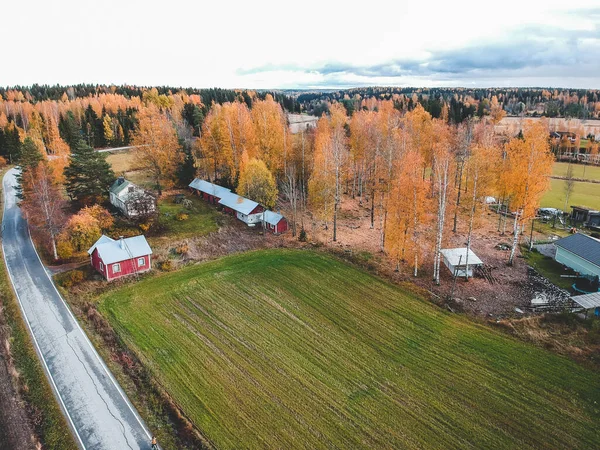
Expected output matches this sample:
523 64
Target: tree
529 167
31 157
569 184
157 147
270 134
43 203
257 183
88 176
107 126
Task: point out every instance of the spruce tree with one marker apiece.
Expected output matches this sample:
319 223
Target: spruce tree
29 159
88 176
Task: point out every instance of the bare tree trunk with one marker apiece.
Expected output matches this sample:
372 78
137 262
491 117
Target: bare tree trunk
515 239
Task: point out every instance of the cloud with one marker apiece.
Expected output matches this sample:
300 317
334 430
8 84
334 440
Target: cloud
532 51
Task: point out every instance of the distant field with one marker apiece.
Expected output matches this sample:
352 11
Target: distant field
587 194
294 349
202 218
579 171
120 162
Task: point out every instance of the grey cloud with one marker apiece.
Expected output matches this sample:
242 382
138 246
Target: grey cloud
530 51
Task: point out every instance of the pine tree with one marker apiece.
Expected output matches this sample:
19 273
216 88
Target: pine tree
88 176
30 159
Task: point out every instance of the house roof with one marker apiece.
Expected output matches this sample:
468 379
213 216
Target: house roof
111 251
238 203
272 218
120 185
582 245
588 301
456 256
209 188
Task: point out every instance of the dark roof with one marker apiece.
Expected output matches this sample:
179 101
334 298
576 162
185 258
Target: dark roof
582 245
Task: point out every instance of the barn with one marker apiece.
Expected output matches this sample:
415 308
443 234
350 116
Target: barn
116 259
246 210
275 222
210 192
580 252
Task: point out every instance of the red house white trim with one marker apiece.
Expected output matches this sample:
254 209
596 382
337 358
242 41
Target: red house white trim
116 259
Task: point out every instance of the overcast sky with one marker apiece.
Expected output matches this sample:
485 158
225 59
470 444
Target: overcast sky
314 44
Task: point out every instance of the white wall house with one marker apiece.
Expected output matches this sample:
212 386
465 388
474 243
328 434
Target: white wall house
579 252
130 199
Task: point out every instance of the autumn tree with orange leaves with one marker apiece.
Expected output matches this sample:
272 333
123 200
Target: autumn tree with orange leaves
157 147
529 166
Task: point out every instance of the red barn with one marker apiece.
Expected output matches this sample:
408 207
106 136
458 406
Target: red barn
116 259
210 192
275 222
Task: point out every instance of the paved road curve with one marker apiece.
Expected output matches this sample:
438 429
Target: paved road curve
97 409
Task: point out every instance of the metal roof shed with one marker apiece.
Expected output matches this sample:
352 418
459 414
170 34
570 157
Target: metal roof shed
238 203
588 301
456 258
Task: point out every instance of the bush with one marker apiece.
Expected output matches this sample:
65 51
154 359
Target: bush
182 249
64 249
166 265
181 216
144 227
302 235
72 278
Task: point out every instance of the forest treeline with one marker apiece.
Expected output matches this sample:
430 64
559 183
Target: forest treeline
420 175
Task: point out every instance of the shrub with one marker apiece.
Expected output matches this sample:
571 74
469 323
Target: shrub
166 265
3 162
72 278
182 249
181 216
145 226
302 235
64 249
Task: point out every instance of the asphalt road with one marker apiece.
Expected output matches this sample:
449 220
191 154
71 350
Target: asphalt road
97 409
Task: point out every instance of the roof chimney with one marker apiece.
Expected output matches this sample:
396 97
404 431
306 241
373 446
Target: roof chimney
120 181
121 243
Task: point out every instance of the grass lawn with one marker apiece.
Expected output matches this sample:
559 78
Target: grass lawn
550 269
203 218
295 349
121 161
586 194
591 172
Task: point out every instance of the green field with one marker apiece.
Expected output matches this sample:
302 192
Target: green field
586 194
579 171
294 349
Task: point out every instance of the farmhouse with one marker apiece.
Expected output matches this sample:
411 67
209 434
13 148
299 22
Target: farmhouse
275 222
246 210
210 192
455 260
116 259
580 252
130 199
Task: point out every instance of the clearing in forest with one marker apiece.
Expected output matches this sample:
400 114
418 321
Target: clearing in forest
296 349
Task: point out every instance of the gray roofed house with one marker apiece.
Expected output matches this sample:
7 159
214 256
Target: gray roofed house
118 258
130 199
580 252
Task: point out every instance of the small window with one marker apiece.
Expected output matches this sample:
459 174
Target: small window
116 268
101 266
141 261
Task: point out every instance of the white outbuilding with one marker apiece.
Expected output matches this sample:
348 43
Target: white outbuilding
456 261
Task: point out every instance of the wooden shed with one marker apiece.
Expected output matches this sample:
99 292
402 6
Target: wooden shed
123 257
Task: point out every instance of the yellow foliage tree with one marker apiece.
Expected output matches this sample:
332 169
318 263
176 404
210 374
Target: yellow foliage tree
257 183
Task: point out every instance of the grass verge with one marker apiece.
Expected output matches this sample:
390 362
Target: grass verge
549 268
296 349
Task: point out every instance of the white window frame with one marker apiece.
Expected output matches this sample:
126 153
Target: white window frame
141 261
116 268
101 266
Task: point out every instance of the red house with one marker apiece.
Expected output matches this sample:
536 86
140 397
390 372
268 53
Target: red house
210 192
116 259
275 222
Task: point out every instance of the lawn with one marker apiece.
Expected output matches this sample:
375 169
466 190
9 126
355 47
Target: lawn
295 349
202 218
550 269
586 194
584 172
